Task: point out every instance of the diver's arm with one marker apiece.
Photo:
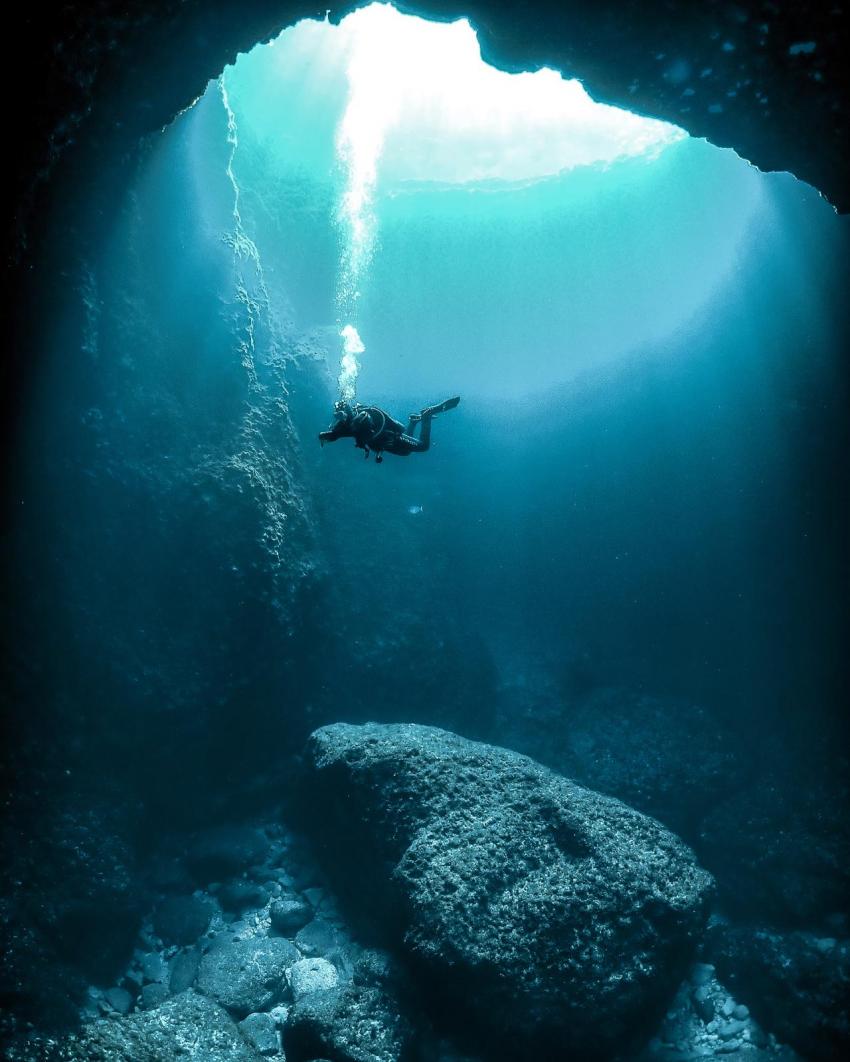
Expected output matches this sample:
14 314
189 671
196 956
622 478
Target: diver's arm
327 436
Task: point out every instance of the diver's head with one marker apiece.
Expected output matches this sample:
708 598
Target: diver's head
343 412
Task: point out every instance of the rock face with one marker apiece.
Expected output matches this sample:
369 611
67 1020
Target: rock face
532 909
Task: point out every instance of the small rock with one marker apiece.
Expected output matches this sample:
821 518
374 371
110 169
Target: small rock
317 938
119 999
702 973
184 970
290 914
311 975
153 995
279 1014
376 967
315 895
741 1012
260 1032
728 1008
352 1023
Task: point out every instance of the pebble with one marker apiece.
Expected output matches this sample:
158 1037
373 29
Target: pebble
741 1012
728 1008
260 1033
311 975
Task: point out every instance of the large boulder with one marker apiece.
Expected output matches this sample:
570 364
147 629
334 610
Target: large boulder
536 913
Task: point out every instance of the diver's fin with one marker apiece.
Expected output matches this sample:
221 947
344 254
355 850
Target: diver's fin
442 407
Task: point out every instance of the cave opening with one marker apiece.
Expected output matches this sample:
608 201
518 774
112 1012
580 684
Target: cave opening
635 320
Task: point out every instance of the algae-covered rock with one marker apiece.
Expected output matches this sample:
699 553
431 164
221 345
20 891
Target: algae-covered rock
247 975
537 912
187 1028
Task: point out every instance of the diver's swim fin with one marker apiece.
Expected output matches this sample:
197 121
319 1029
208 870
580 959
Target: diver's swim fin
442 407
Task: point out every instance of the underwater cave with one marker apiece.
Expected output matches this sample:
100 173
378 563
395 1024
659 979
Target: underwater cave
532 745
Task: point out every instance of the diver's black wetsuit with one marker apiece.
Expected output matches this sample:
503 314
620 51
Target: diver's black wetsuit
375 431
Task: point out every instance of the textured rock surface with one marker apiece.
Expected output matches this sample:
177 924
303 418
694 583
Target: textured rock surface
534 908
312 975
247 975
797 985
187 1028
289 914
354 1024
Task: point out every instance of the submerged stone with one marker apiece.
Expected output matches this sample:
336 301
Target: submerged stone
312 975
260 1032
247 975
317 938
289 914
183 970
537 912
354 1024
187 1028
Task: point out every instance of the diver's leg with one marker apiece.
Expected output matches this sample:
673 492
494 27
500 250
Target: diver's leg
424 440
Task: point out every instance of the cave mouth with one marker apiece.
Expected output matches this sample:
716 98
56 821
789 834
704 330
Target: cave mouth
386 120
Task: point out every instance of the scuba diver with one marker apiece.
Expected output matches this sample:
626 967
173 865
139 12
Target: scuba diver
375 431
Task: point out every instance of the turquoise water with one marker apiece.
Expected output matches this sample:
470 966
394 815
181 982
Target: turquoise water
623 554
